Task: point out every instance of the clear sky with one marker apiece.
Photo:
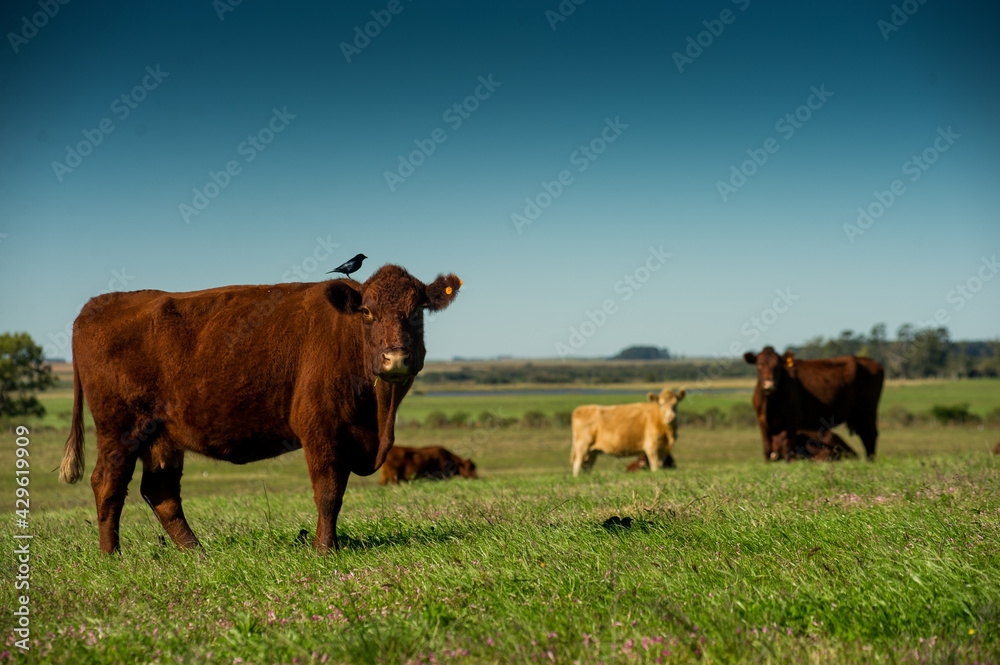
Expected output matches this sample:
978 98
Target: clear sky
599 175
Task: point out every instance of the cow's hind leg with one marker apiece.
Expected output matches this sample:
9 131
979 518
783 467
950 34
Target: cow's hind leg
869 436
589 459
161 488
112 472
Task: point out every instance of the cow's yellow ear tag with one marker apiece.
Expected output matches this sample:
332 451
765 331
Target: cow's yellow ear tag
448 290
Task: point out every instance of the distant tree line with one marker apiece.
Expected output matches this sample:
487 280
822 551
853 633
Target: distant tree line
914 354
653 371
642 353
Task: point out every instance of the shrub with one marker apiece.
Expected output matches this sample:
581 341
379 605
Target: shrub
713 417
460 419
898 415
742 414
493 420
690 419
993 417
957 414
436 419
534 419
565 418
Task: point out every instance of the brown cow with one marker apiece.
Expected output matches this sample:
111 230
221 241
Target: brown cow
815 395
626 429
641 462
404 464
244 373
819 445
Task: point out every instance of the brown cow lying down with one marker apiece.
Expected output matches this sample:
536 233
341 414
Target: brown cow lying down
404 464
641 462
825 445
627 429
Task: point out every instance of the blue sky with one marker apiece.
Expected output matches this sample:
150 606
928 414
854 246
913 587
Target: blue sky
587 188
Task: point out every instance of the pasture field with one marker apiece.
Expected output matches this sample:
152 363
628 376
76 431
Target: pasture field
726 559
982 396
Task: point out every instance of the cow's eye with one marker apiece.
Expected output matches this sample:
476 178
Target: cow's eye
367 313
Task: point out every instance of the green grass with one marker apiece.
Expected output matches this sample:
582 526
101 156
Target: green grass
727 559
983 396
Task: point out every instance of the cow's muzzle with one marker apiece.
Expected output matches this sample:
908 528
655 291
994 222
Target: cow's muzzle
767 387
395 365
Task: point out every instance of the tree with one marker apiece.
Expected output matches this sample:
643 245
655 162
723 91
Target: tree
877 343
22 373
643 353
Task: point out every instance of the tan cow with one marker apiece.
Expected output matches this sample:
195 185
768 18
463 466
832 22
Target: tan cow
625 430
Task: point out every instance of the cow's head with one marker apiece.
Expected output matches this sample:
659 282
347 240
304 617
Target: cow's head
467 468
667 401
390 308
771 368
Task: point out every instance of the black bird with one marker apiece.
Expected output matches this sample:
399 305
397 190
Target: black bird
347 267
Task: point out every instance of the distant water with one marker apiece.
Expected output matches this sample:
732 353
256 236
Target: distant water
575 391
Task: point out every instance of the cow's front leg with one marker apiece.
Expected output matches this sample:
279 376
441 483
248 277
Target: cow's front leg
766 438
655 450
329 480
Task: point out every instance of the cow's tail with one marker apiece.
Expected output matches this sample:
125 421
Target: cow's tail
71 469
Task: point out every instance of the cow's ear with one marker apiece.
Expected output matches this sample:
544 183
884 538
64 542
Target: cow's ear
680 394
344 297
653 397
750 358
441 292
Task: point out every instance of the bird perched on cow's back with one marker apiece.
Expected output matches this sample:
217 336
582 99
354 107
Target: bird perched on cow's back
352 265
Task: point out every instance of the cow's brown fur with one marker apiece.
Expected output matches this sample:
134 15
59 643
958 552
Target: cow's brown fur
819 445
405 464
626 429
243 373
641 463
815 395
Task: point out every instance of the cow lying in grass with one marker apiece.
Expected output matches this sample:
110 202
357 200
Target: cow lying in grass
822 445
627 429
808 445
404 464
